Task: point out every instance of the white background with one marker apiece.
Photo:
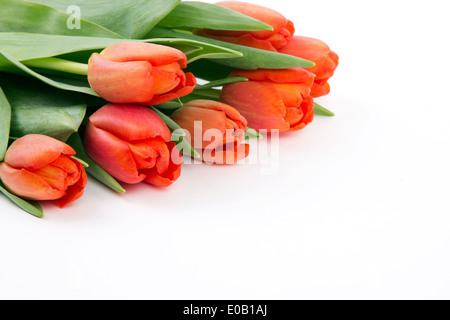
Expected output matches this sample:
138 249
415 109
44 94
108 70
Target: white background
359 208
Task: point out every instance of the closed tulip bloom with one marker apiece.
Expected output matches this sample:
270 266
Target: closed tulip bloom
318 52
273 99
283 29
142 73
41 168
132 144
222 131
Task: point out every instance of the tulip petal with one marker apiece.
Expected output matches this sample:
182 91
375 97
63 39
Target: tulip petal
230 112
166 78
33 152
263 14
228 154
138 51
259 103
182 90
171 174
130 122
121 82
112 154
28 185
75 191
292 75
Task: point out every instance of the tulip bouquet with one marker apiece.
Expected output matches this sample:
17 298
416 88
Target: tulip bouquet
122 91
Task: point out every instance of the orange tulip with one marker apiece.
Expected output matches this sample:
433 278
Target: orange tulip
273 99
40 168
132 144
283 29
143 73
222 131
318 52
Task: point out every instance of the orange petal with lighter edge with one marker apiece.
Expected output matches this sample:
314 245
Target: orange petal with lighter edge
130 122
28 185
165 178
112 154
121 82
33 152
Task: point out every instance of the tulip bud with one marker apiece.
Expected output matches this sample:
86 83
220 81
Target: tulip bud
132 144
142 73
40 168
215 129
318 52
283 29
272 99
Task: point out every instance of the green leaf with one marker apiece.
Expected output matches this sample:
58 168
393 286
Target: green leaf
220 83
10 65
28 46
129 18
251 134
210 16
39 109
209 94
321 111
183 146
32 207
252 58
169 106
25 16
5 122
94 169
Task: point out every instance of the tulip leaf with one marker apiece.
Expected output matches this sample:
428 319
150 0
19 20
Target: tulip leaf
40 109
321 111
183 146
32 207
220 83
252 58
26 16
129 18
5 122
94 170
210 16
211 94
251 134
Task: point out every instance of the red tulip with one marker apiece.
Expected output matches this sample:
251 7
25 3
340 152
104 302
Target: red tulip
132 144
222 130
273 99
40 168
143 73
318 52
283 29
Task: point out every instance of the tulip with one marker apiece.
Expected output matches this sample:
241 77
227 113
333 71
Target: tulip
273 99
41 168
318 52
283 29
222 131
132 144
142 73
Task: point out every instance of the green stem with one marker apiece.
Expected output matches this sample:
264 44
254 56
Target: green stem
56 64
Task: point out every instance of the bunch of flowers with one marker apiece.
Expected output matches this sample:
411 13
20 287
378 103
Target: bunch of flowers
119 99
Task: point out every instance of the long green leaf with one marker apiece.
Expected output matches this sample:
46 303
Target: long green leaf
25 16
132 19
252 58
10 65
40 109
27 46
5 122
94 169
210 16
32 207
